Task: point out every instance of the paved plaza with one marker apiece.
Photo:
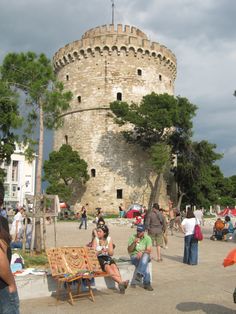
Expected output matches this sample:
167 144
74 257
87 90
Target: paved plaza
178 288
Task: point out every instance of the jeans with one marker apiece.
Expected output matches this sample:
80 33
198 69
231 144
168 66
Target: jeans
9 302
83 221
142 267
190 250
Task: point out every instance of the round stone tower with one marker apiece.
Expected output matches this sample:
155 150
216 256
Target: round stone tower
105 65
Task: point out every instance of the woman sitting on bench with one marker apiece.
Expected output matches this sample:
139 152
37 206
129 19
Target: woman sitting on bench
104 248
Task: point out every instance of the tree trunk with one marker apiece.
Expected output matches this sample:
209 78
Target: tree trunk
180 200
38 240
155 190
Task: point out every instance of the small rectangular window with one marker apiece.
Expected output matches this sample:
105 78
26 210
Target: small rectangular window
79 99
119 96
67 77
119 193
160 77
139 72
93 173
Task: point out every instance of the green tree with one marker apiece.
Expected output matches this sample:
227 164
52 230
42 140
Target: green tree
196 174
9 120
154 121
66 172
45 98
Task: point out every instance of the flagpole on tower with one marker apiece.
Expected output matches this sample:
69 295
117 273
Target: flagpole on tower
113 13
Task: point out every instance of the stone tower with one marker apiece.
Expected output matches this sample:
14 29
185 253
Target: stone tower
105 65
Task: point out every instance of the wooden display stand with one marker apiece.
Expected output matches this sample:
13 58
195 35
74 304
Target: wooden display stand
70 264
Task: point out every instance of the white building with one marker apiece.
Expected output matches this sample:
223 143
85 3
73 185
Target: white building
20 178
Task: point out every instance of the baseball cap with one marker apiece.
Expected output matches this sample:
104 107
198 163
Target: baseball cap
140 228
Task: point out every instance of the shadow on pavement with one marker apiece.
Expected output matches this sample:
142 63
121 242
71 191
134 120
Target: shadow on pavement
208 308
176 258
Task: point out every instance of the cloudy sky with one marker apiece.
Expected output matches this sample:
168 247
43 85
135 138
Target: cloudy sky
201 33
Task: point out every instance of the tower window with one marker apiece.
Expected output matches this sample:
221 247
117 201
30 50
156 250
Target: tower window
67 77
139 72
93 173
119 96
66 139
79 99
160 77
119 193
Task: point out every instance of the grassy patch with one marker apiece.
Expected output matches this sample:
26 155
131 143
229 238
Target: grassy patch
35 260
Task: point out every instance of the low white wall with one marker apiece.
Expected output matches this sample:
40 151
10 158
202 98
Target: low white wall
38 286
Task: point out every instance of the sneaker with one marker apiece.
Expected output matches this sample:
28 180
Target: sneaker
122 287
139 277
148 287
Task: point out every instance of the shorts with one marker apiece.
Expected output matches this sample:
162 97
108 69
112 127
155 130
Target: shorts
105 260
157 239
172 222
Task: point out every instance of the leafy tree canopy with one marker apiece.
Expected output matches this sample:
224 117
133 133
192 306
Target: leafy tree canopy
64 170
9 120
33 74
155 124
155 118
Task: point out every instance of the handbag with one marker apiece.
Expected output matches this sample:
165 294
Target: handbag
198 232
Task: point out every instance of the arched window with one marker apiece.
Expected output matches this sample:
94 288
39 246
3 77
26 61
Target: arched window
67 77
79 99
66 139
160 77
93 173
139 72
119 96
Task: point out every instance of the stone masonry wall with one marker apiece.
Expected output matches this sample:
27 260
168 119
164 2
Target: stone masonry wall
96 68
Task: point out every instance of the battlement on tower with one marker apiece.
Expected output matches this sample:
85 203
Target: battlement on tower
110 29
108 40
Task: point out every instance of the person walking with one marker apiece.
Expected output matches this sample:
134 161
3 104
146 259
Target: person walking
9 300
83 218
156 225
121 210
190 243
165 231
139 248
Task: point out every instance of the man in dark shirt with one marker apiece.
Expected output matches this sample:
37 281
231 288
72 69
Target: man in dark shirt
156 225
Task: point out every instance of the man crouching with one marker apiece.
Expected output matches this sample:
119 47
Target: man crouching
139 248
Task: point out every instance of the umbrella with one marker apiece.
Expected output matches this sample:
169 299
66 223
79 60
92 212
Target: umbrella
230 258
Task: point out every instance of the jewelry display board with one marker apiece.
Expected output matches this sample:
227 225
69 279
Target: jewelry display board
73 261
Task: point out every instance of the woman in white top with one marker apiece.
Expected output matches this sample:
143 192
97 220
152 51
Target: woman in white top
17 225
104 248
190 244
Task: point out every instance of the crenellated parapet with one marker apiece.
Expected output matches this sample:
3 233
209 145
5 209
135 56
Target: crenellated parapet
106 40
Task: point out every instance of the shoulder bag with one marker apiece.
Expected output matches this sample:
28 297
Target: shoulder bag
198 232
